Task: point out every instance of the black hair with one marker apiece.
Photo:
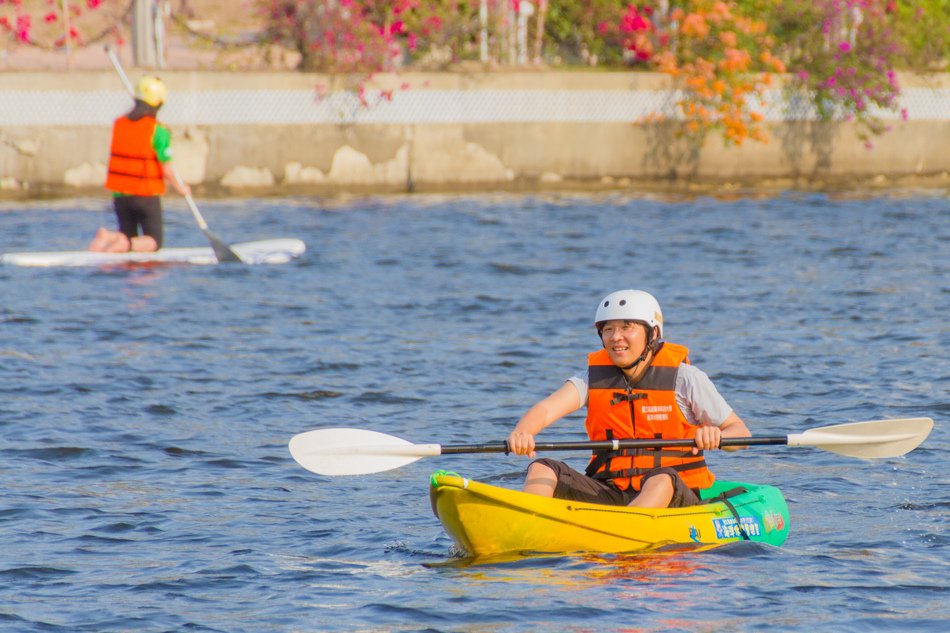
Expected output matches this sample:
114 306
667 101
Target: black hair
141 110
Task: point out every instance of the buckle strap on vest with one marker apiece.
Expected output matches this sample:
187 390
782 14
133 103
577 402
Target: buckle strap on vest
600 460
635 472
620 396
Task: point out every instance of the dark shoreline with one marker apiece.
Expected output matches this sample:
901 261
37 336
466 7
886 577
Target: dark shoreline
841 188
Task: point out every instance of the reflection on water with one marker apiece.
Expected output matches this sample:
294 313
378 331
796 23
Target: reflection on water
577 570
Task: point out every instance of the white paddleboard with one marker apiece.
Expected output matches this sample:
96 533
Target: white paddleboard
277 251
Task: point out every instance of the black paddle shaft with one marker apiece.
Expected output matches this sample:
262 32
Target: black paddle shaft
502 447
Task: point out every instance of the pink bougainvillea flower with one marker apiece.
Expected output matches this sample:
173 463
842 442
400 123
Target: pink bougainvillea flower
633 21
23 26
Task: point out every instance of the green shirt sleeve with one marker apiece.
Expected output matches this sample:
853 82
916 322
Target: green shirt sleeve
162 143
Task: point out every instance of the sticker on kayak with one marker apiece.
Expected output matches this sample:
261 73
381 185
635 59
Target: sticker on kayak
728 528
773 522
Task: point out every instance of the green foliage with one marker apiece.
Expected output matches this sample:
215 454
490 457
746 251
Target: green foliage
923 26
576 31
446 33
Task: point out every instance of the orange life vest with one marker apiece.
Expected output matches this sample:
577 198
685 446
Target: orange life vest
646 410
134 168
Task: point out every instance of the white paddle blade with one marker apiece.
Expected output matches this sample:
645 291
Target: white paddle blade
877 438
342 451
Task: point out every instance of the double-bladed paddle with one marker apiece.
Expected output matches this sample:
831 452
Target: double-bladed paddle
345 451
222 251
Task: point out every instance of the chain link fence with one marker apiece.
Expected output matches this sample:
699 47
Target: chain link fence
414 106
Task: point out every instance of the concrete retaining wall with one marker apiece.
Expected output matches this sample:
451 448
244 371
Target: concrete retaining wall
265 133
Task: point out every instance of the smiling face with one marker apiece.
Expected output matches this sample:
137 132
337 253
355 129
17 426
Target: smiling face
623 340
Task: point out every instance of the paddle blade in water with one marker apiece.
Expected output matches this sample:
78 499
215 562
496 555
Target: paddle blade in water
343 451
221 250
877 438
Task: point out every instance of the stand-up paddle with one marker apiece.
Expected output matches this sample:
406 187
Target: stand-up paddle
222 251
345 451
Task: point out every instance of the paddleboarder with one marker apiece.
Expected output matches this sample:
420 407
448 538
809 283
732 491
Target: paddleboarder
636 386
139 165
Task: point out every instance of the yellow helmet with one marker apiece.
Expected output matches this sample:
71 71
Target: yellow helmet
151 90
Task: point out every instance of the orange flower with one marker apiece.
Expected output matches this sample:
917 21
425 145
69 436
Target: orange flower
666 62
697 84
694 24
736 60
705 67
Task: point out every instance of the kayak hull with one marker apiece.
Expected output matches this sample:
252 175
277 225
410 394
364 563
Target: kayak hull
486 520
276 251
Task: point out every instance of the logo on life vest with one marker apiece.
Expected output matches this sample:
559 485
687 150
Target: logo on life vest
658 412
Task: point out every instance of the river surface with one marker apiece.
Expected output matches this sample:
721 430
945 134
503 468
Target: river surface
145 412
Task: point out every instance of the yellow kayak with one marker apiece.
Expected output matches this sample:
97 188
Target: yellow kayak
487 520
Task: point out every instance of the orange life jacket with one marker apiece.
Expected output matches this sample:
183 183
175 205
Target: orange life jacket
134 168
646 410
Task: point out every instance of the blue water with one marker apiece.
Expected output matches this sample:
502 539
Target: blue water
145 413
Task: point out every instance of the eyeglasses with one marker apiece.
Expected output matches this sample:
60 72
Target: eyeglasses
628 327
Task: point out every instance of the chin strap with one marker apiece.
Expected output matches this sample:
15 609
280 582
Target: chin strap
652 348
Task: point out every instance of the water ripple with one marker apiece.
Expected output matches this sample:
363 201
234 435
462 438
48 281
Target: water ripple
146 411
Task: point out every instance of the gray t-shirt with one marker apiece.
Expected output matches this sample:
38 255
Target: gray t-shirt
696 396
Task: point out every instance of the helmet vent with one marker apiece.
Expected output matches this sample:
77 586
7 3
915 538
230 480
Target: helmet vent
623 302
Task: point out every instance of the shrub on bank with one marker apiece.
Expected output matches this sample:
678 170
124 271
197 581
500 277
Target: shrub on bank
841 56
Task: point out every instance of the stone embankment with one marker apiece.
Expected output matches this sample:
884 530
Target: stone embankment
292 133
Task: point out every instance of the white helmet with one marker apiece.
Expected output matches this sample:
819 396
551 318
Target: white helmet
630 305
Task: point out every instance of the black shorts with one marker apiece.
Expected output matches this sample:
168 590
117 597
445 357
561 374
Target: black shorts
135 212
575 486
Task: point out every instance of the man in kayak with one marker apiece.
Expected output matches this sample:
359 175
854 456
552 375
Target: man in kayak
637 386
138 168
